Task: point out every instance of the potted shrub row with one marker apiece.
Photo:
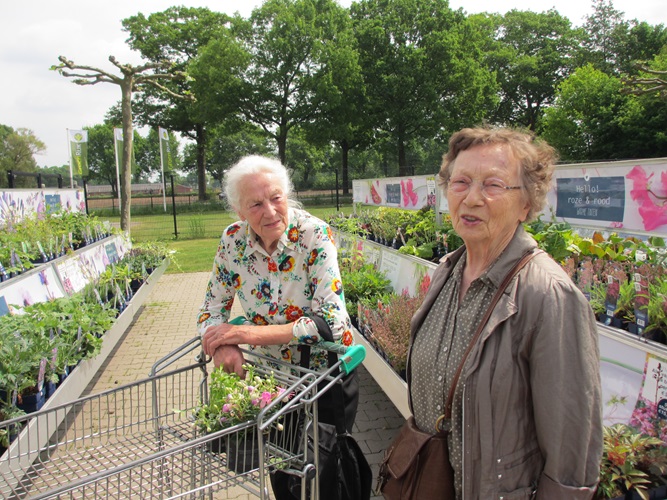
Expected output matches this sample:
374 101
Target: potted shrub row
623 277
41 343
43 237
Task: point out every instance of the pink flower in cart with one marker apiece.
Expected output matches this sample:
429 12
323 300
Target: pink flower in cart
226 408
265 399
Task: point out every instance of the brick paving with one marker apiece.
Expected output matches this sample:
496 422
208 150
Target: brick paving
167 320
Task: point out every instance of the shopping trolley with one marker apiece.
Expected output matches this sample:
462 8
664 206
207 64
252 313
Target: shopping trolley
139 440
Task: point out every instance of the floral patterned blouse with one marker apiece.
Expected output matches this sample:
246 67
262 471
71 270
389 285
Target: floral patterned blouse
300 279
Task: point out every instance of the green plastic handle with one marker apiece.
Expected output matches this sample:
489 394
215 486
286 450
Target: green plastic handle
239 320
353 357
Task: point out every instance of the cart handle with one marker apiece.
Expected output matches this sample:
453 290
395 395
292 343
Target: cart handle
352 356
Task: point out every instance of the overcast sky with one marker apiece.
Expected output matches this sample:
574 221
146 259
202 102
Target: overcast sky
33 33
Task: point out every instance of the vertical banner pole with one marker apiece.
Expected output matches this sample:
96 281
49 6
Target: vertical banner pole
116 131
69 156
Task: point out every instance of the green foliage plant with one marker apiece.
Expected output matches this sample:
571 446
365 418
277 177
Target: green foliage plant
361 281
631 461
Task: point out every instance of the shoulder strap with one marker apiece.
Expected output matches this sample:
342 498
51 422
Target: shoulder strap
499 292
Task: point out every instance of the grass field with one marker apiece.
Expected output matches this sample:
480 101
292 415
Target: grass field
198 234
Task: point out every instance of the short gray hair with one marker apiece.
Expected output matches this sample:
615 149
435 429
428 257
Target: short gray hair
255 164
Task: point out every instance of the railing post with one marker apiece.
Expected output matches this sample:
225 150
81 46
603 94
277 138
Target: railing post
173 203
85 193
10 179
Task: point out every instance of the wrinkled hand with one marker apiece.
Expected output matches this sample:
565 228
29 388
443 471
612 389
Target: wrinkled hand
230 358
219 335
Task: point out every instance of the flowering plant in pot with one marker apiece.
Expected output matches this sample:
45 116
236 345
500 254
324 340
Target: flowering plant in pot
234 400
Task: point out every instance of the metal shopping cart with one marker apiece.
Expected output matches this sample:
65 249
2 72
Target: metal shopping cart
139 440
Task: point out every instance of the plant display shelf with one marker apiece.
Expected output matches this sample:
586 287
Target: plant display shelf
35 436
626 351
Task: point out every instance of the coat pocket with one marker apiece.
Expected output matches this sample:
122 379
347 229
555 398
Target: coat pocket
520 494
518 472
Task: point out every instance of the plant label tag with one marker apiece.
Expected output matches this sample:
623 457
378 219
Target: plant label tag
662 409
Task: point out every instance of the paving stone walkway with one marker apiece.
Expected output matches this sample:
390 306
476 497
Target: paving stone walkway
167 320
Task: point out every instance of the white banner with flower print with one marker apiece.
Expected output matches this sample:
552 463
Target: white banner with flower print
17 204
628 196
650 415
413 193
625 196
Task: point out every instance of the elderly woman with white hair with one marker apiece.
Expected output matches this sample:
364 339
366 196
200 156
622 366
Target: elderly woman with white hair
281 264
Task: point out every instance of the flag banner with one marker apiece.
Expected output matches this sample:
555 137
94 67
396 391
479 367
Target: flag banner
118 142
118 145
78 141
165 150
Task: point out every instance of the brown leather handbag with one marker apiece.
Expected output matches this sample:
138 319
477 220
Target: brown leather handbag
416 466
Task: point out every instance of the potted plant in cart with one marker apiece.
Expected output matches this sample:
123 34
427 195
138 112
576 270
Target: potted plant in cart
234 401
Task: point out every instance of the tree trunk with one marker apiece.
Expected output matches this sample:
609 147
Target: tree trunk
403 169
200 132
345 153
126 169
281 139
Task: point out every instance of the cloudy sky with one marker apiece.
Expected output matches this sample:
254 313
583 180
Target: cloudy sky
35 32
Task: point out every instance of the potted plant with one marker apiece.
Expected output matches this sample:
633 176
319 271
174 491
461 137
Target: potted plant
234 401
388 324
361 280
632 464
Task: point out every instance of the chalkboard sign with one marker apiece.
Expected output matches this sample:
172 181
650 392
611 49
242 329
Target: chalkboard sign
393 194
4 310
598 198
52 203
112 252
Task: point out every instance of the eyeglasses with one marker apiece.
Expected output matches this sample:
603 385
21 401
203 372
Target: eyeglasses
491 188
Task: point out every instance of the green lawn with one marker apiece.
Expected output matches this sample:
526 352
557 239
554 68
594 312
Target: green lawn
193 256
199 235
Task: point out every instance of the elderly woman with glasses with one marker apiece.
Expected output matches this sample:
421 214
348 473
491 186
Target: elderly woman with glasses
526 419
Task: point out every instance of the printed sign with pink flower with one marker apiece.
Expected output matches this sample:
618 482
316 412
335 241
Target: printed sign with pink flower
630 195
649 415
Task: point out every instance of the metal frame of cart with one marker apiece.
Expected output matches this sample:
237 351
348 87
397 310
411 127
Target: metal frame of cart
139 440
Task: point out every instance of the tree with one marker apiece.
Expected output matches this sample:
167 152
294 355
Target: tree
533 55
225 148
102 156
343 118
132 79
652 78
292 43
592 120
606 32
17 152
176 35
643 43
422 69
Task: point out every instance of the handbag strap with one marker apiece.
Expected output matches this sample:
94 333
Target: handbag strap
496 297
337 389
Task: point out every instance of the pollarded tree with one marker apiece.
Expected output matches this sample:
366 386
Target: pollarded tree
652 78
423 69
131 79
